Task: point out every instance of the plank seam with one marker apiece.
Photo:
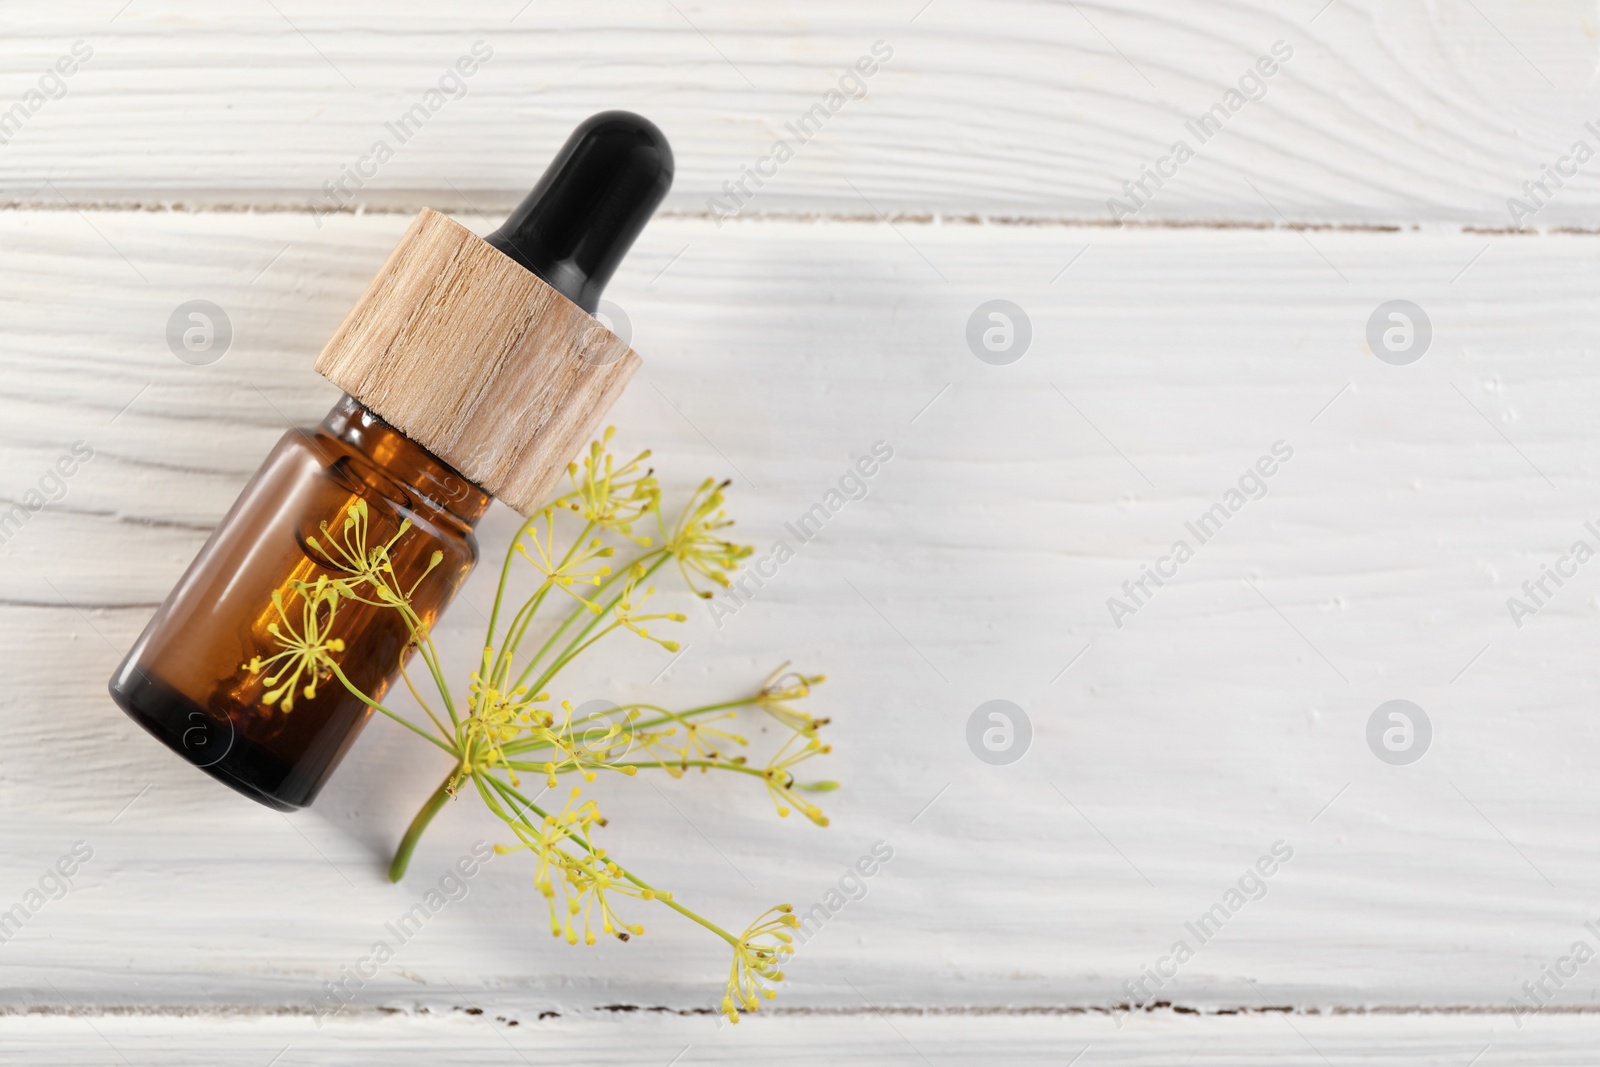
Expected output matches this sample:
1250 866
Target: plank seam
967 1011
908 218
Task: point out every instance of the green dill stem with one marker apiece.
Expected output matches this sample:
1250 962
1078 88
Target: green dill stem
516 632
686 913
519 624
573 647
500 591
423 703
709 764
582 609
430 656
670 716
492 802
408 843
423 642
401 719
571 653
532 745
538 768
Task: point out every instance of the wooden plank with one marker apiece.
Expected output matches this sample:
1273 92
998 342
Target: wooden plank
1445 1041
1383 115
1227 714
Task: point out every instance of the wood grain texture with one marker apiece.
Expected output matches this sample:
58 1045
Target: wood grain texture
478 360
1227 715
1386 114
852 1041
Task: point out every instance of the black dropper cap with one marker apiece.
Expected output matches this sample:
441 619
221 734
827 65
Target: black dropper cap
582 217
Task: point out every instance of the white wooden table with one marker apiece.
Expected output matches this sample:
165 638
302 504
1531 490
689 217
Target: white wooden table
1229 712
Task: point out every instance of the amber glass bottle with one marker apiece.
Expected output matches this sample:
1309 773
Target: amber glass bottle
471 370
183 681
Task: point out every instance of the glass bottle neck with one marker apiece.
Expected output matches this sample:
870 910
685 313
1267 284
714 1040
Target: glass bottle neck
439 486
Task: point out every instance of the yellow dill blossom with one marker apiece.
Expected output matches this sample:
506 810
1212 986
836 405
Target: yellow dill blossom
694 542
604 739
348 552
610 495
693 741
626 611
779 776
780 689
555 863
593 883
756 956
563 571
306 654
571 750
496 718
578 881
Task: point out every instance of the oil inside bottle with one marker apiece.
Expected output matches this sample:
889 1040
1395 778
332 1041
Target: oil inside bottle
324 497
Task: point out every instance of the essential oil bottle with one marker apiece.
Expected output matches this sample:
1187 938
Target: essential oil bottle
472 369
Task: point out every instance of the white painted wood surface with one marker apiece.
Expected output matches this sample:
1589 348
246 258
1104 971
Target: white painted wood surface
1227 715
1386 114
851 1041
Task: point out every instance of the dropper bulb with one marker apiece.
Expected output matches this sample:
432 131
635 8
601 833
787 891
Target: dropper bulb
575 226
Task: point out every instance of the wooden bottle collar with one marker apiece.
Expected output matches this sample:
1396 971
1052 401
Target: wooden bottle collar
479 361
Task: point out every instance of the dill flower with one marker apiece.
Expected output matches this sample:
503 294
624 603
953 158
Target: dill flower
698 744
306 654
610 495
756 956
572 568
572 750
694 542
348 552
779 777
497 717
591 883
626 611
778 693
578 882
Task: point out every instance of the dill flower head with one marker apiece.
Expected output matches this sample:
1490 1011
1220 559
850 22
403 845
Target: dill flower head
306 654
604 738
627 615
695 544
564 570
368 572
497 717
780 781
577 746
348 551
578 882
699 741
756 956
777 694
610 495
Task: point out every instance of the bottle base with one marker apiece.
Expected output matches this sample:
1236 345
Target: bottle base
207 741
